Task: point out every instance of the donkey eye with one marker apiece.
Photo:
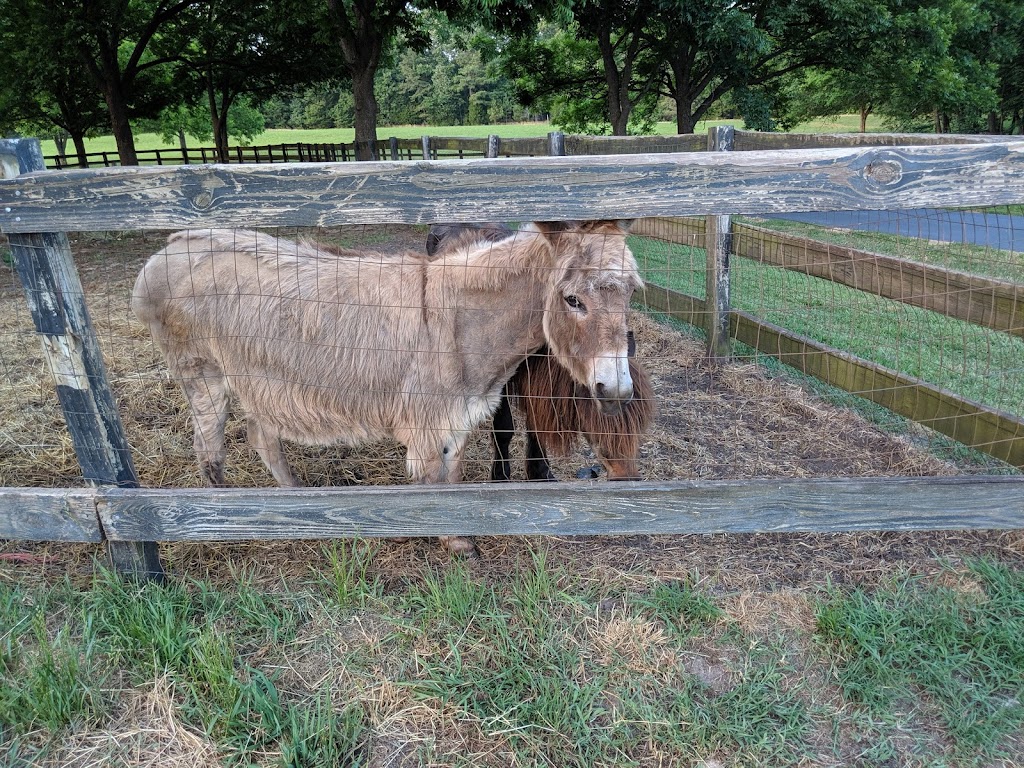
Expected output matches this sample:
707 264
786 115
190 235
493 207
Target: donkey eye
574 302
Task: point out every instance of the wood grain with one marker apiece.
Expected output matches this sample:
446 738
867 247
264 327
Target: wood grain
49 514
565 509
542 188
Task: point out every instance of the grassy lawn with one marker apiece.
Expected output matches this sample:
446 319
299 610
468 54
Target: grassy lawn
976 362
549 665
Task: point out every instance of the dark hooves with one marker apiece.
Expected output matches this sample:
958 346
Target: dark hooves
589 473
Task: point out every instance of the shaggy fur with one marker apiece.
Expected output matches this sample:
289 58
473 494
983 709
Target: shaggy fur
324 347
556 409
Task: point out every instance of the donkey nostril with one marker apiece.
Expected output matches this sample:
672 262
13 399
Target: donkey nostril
599 389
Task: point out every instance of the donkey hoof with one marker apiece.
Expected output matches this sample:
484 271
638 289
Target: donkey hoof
459 545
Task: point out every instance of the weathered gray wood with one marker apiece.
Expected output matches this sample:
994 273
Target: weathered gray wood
493 145
747 141
49 514
718 247
571 508
426 147
556 143
393 143
56 301
548 188
627 145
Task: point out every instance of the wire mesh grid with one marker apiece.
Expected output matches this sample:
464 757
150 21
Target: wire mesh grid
747 418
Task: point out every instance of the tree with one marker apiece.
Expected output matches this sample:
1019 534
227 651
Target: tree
367 32
587 72
41 91
114 40
231 48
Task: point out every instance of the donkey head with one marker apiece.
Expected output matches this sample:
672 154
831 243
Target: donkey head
586 309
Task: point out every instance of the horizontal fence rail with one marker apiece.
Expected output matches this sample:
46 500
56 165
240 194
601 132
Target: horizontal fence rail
564 509
548 188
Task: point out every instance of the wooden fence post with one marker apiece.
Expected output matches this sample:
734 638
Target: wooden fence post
718 245
556 143
426 147
493 145
57 303
393 141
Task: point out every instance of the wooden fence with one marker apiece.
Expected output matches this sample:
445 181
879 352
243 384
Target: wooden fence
38 208
555 143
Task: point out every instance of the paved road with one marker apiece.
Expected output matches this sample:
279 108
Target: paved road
990 229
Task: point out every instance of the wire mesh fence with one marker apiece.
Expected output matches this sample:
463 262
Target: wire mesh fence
749 418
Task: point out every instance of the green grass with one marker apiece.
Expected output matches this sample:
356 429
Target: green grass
975 362
543 665
916 648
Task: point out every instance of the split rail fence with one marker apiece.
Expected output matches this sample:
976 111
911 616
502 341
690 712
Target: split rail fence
38 208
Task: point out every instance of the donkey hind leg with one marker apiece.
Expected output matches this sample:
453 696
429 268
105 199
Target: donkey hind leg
502 431
268 445
209 400
537 467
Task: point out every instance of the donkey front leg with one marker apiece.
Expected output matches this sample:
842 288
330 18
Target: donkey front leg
429 462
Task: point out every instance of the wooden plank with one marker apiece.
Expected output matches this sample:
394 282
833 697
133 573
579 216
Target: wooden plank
456 144
576 144
979 300
542 188
678 306
49 514
688 230
748 141
565 509
992 431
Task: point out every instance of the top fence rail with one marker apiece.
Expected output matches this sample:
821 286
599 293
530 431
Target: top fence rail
538 188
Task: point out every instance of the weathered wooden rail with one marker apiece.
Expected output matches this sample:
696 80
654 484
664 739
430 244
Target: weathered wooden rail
37 208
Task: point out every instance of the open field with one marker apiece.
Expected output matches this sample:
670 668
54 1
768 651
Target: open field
869 649
845 124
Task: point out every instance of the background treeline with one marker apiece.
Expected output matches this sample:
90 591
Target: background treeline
207 70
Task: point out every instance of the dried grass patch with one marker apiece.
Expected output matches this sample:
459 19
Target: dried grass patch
145 732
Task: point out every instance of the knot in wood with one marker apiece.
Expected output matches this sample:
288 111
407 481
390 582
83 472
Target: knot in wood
203 200
884 172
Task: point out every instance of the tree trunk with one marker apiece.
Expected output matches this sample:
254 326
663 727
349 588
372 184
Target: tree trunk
865 110
181 140
619 105
79 142
995 125
119 124
684 115
365 121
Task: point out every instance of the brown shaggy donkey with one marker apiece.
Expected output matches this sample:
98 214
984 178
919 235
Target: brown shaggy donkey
324 347
557 410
